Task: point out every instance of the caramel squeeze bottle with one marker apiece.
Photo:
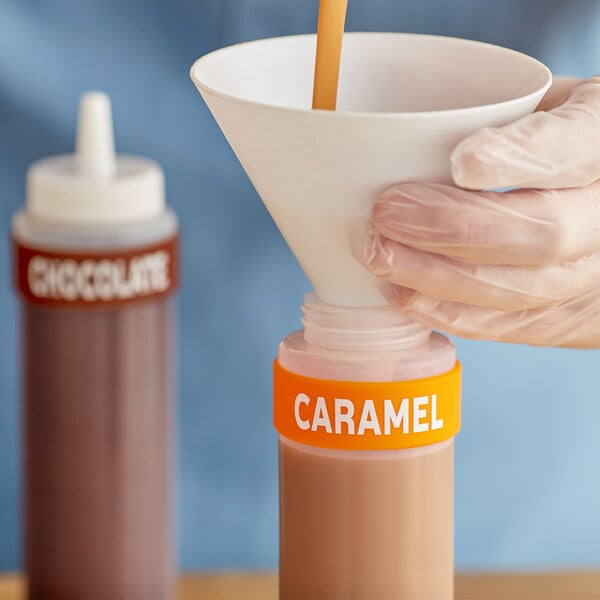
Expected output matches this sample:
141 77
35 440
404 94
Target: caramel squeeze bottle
96 255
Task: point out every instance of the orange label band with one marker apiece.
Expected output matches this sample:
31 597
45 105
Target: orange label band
351 415
96 279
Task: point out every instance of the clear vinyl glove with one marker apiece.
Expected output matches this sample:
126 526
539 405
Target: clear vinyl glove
521 266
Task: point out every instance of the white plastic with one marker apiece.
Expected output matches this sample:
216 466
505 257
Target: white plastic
38 233
405 101
95 144
94 187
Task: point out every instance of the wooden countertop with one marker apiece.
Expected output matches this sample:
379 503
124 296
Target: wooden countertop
257 586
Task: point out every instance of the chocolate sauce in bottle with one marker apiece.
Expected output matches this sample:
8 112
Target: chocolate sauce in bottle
96 266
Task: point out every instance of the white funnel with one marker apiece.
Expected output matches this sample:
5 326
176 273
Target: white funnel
405 101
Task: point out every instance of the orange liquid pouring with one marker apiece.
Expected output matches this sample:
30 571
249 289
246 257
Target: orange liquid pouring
330 33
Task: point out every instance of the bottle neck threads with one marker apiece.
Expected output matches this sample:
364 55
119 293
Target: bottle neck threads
372 329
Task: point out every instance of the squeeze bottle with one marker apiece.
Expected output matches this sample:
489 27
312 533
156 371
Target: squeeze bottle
96 266
367 404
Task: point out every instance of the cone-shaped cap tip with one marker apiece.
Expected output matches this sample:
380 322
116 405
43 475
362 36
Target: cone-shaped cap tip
95 155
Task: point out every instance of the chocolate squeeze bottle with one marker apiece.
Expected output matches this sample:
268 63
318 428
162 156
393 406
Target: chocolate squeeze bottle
96 267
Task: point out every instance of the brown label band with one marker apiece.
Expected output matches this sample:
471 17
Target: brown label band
98 279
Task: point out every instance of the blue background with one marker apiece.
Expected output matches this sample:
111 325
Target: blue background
525 497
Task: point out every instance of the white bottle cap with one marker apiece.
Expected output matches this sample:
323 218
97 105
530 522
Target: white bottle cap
94 186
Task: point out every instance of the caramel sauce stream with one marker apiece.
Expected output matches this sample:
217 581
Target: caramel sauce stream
330 34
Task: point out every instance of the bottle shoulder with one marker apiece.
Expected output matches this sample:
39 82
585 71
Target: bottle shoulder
27 229
436 355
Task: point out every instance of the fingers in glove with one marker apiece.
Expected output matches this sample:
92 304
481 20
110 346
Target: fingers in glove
555 149
520 227
571 324
491 286
559 92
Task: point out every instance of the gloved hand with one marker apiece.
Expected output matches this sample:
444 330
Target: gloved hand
521 266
